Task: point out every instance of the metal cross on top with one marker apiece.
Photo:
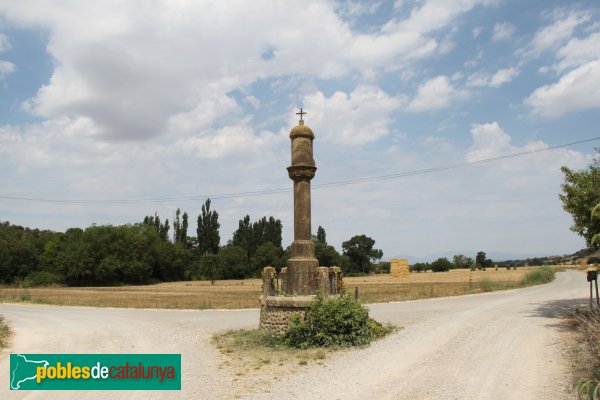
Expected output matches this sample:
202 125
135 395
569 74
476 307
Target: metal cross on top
301 113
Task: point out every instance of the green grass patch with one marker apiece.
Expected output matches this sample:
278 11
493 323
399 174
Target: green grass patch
539 276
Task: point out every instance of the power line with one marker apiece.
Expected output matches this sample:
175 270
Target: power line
283 190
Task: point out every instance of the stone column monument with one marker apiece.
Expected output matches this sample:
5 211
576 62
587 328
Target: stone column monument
302 267
292 289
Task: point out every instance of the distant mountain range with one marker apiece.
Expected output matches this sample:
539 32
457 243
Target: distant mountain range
496 256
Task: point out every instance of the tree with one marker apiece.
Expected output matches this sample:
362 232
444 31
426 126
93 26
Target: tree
469 262
267 254
581 194
596 238
184 228
176 226
441 265
482 261
211 266
327 255
208 230
235 262
243 237
460 261
264 231
321 236
161 229
420 267
180 227
359 249
250 235
21 249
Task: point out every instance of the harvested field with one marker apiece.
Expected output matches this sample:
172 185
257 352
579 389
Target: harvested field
244 293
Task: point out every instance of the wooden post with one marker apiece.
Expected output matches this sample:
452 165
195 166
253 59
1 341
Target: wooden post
355 293
591 297
597 299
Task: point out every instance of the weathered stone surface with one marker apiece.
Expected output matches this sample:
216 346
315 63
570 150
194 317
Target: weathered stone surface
302 266
399 268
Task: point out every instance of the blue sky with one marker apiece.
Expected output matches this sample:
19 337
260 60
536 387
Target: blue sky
154 100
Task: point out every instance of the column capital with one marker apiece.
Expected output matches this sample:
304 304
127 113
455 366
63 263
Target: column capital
301 172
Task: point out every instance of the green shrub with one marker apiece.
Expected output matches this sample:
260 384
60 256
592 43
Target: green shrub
487 285
442 264
43 278
588 389
419 267
543 274
338 321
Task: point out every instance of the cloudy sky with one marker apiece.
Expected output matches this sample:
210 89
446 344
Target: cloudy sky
136 107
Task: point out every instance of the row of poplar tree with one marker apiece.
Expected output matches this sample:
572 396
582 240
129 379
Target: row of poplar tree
149 252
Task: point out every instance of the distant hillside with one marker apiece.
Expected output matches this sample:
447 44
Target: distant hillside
505 258
553 260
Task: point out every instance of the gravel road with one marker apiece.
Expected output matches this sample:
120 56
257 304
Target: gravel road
502 345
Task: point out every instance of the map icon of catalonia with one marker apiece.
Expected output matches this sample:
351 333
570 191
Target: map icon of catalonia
23 370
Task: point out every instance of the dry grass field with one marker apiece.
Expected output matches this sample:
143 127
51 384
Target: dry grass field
245 293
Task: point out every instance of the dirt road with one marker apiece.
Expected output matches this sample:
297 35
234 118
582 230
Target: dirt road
503 345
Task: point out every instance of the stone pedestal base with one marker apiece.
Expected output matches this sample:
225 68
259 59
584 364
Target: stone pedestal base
275 311
277 305
302 276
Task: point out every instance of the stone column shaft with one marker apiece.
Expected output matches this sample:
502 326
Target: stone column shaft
302 267
302 215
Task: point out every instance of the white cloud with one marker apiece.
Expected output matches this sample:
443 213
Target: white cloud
489 140
212 108
477 31
539 169
577 90
354 118
503 31
4 43
140 73
436 14
6 68
435 94
552 36
237 139
498 79
579 51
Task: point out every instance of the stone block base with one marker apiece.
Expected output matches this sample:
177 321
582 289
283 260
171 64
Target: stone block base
275 311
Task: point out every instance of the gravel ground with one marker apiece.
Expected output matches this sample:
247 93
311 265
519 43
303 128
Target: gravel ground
502 345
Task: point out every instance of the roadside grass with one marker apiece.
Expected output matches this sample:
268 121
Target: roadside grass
4 333
237 294
586 359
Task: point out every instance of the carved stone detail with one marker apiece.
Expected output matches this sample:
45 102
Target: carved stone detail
301 172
